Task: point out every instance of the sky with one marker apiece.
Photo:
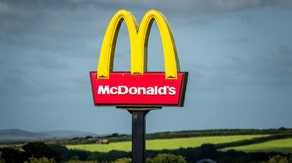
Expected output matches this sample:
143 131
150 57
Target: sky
238 55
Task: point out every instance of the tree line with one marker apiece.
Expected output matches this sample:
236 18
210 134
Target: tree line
55 151
35 152
116 137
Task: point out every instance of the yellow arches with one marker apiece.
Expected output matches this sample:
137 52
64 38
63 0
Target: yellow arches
138 43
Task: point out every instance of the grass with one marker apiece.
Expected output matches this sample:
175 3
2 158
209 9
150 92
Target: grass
281 145
121 146
160 144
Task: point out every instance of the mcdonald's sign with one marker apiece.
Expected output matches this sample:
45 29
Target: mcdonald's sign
138 87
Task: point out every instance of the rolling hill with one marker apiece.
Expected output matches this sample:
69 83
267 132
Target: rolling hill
17 135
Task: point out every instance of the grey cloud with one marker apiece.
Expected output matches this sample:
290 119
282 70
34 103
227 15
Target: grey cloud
48 26
274 68
28 7
71 16
193 5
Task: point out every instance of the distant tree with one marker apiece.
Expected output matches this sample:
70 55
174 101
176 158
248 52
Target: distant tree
64 153
115 134
1 159
11 155
208 151
75 158
88 137
40 150
282 128
95 156
114 155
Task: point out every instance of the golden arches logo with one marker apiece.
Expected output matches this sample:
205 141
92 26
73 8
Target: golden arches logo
138 88
138 43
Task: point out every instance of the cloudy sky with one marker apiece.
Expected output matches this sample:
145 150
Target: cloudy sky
238 55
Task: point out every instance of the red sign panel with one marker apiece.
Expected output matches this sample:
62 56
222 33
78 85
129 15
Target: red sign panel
151 88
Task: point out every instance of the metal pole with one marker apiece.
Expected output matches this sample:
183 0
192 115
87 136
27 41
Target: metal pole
138 130
138 135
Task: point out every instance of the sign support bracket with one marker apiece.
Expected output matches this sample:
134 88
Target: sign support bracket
138 132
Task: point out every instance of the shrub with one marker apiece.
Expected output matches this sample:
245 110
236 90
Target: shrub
40 160
123 160
278 159
166 158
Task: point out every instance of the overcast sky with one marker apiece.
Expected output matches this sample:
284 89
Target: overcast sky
238 55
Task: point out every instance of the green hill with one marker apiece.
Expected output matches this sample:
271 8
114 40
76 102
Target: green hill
16 135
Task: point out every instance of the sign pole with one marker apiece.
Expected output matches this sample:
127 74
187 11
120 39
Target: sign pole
138 132
138 136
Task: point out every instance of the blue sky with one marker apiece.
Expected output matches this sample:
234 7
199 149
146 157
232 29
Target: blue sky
238 55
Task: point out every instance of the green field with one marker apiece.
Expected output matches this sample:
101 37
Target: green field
281 145
160 144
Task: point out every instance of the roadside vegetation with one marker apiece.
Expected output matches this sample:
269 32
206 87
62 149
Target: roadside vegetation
237 145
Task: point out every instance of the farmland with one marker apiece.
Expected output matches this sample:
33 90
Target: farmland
161 144
249 140
222 145
281 145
